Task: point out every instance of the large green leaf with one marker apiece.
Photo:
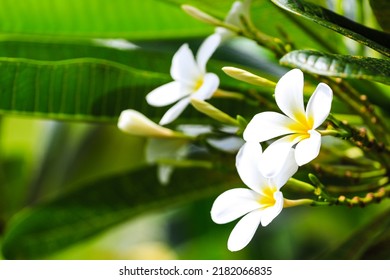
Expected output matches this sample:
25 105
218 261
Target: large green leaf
146 58
372 38
153 56
80 89
72 86
133 19
101 204
343 66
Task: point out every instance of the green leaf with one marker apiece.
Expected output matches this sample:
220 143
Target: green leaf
101 204
267 17
49 49
343 66
362 241
132 19
372 38
381 9
102 88
80 89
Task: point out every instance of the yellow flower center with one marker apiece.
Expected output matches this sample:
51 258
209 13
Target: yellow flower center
267 196
302 125
198 84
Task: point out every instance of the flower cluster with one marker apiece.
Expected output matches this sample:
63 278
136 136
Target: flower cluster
264 173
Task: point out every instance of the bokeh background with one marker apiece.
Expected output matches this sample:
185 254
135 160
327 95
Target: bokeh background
46 157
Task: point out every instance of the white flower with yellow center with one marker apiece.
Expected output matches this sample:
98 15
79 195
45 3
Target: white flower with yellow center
297 125
258 205
190 81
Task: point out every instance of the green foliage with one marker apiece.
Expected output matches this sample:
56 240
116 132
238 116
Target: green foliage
101 204
97 19
381 9
342 66
374 39
80 176
81 89
365 243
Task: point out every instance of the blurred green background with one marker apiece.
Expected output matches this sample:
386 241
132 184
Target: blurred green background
58 165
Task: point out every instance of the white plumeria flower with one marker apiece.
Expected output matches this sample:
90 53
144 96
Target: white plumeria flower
260 204
190 80
298 125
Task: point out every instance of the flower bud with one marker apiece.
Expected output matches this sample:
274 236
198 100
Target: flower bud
200 15
213 112
135 123
247 77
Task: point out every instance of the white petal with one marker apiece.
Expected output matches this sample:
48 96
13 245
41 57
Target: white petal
224 33
289 94
239 9
318 107
267 125
235 13
174 111
270 213
166 94
206 50
287 171
274 157
184 68
233 204
246 8
247 164
194 129
228 144
244 231
308 149
229 129
157 148
209 86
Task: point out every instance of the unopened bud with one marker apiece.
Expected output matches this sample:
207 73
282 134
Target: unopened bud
135 123
245 76
213 112
200 15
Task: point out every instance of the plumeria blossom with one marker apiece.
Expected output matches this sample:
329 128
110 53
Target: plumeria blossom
297 124
258 205
190 80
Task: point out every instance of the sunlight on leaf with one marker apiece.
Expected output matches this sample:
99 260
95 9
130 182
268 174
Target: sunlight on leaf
372 38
